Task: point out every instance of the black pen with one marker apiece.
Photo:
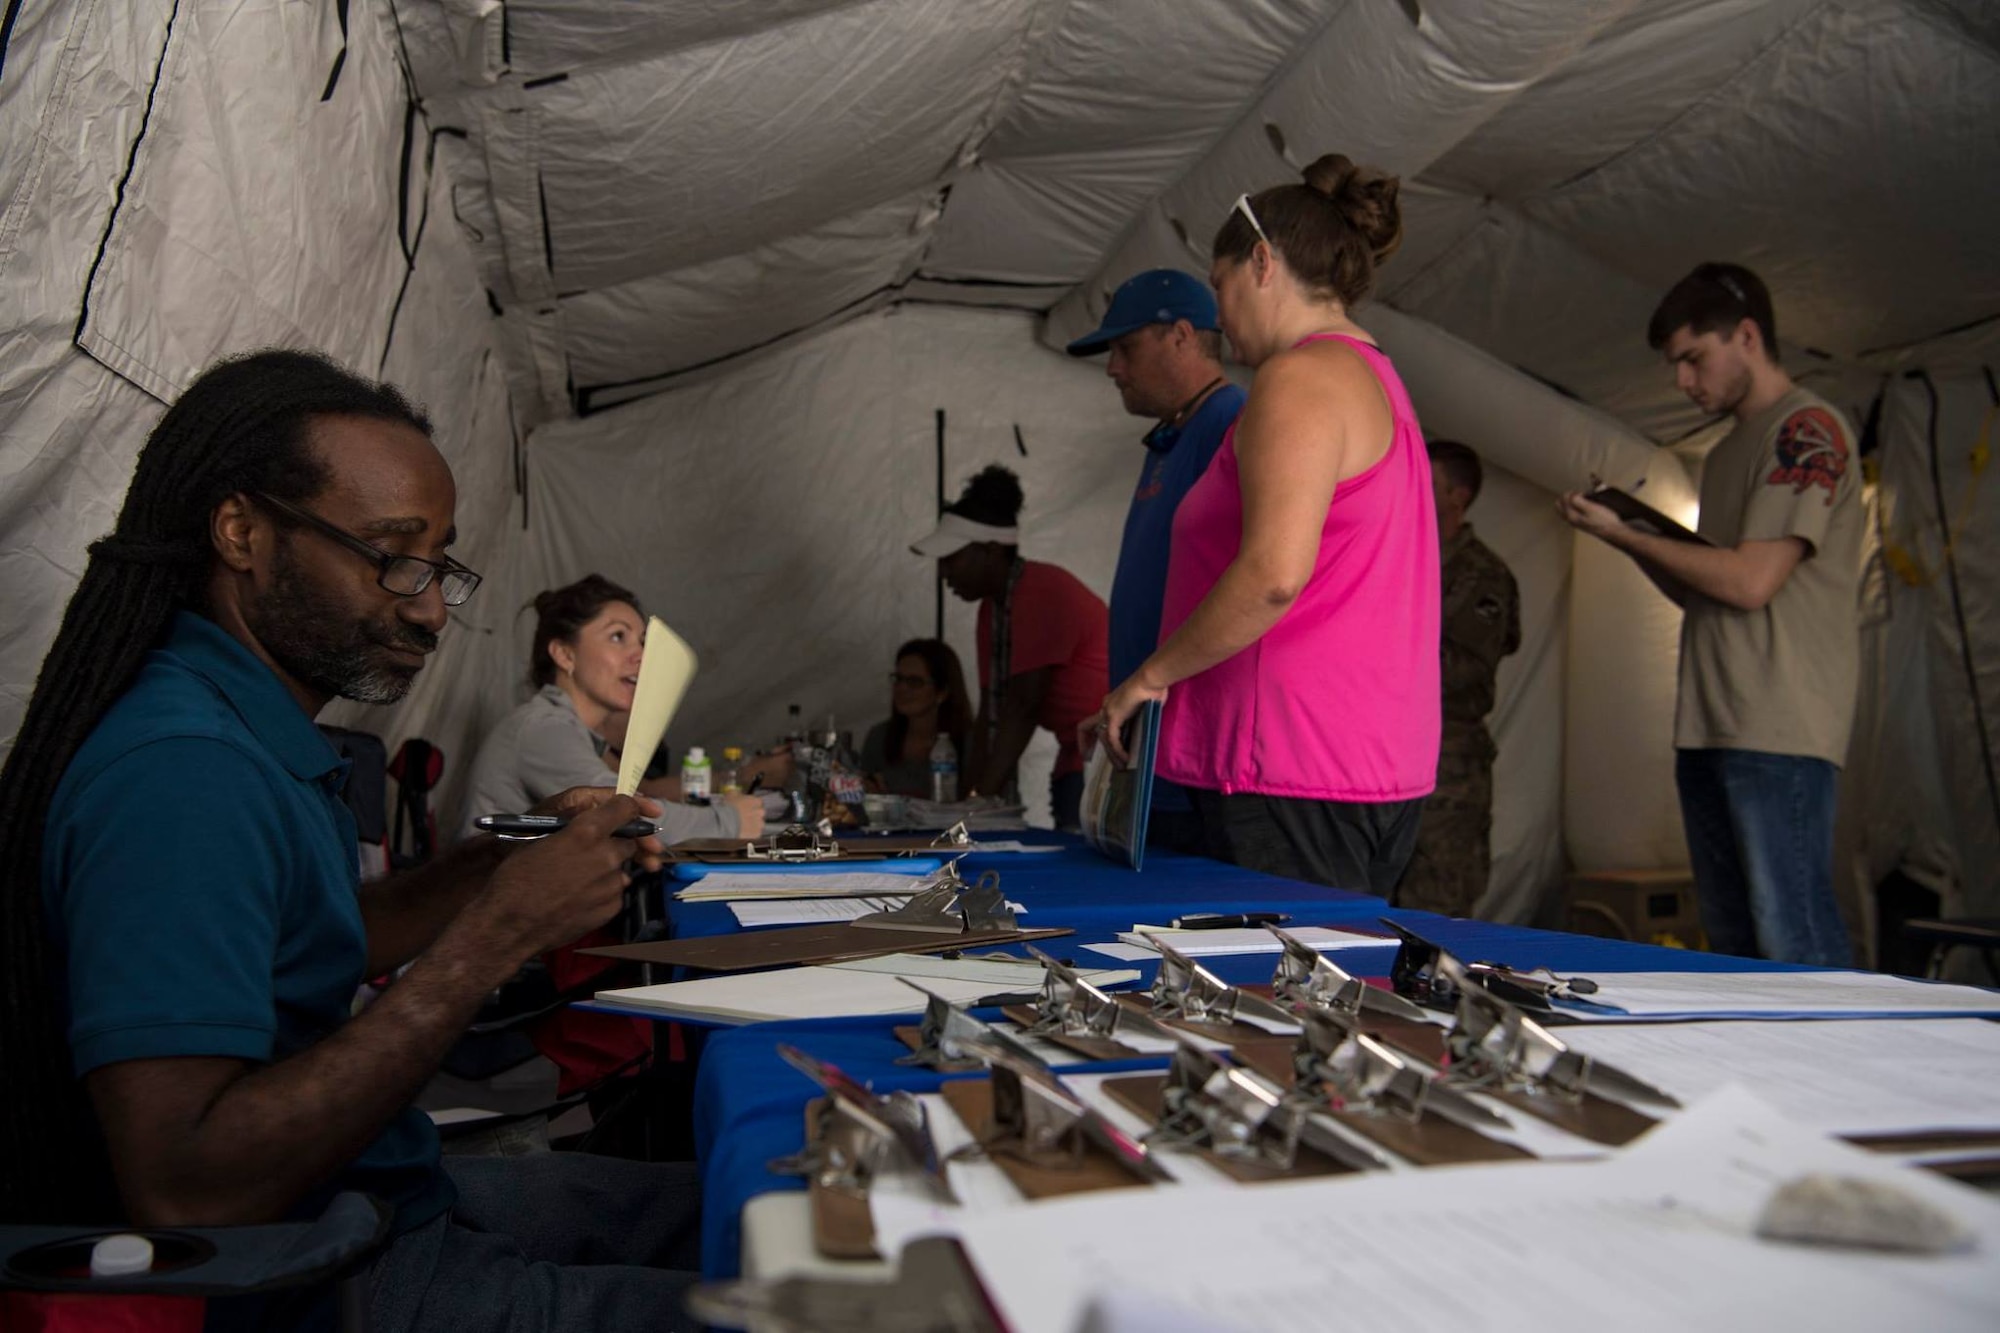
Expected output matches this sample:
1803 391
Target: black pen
1233 921
523 828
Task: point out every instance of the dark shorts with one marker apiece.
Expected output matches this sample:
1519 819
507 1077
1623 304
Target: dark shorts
1342 844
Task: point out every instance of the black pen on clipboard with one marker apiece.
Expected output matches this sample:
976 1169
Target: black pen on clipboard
1229 920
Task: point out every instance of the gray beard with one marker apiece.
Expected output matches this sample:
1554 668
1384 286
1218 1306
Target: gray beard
307 636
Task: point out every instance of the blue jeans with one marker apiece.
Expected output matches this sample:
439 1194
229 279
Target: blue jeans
556 1242
1760 833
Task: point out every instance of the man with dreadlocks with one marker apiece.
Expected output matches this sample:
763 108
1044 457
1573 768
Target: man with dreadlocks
180 913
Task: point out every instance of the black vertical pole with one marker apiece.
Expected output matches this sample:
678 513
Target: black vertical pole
939 634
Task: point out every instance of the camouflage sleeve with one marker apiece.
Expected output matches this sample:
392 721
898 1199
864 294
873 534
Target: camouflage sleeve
1479 629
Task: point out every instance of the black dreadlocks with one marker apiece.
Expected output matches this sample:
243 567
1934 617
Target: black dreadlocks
243 426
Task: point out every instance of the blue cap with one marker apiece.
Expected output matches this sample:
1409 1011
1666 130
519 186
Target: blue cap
1157 296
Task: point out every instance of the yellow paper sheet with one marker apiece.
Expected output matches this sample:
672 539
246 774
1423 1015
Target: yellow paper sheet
664 675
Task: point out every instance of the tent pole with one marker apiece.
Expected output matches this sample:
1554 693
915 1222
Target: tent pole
938 590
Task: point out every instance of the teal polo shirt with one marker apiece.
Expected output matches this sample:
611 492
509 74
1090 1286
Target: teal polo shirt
200 879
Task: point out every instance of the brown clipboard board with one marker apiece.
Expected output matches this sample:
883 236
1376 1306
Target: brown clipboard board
828 942
1092 1170
843 1227
1144 1095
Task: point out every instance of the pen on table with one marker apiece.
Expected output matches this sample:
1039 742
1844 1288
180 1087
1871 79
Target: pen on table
755 783
1229 921
522 828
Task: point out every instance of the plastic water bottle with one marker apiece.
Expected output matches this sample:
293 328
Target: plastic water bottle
944 770
730 779
697 776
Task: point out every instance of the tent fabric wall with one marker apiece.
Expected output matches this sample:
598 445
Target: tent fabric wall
226 152
1919 790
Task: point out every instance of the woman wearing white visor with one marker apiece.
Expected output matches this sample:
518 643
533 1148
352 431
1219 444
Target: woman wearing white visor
1044 656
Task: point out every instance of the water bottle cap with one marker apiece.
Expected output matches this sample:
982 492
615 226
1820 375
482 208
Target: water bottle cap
732 752
695 754
121 1256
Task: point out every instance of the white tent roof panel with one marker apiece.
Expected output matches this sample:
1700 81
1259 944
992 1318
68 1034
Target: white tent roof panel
1805 166
740 300
1119 76
714 150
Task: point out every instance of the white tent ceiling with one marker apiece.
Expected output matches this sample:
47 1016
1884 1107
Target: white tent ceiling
652 188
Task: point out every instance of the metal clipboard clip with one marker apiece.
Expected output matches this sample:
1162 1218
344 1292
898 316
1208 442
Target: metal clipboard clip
1361 1073
861 1136
1238 1113
1496 1043
1415 975
1073 1007
948 905
957 837
1307 978
1037 1118
796 844
1186 990
950 1038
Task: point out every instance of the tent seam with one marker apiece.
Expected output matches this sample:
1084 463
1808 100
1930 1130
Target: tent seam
117 205
1756 58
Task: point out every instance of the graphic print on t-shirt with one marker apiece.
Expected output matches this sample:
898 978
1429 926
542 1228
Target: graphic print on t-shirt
1812 451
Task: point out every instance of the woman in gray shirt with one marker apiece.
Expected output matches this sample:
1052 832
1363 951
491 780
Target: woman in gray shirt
588 641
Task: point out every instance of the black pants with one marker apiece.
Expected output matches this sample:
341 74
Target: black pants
1342 844
1066 801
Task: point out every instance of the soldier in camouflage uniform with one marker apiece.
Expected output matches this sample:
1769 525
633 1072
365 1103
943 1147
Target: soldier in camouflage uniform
1481 624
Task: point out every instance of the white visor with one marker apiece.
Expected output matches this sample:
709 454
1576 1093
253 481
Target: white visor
955 532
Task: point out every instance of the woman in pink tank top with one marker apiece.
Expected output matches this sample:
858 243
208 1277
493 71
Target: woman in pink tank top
1299 654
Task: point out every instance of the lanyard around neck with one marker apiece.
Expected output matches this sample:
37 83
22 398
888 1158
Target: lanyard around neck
1162 436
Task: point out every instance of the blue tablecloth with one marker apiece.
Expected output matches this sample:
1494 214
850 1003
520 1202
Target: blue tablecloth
749 1104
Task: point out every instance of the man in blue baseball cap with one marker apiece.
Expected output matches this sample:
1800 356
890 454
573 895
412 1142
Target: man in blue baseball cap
1166 359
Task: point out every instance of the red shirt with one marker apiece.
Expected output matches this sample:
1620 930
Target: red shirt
1060 623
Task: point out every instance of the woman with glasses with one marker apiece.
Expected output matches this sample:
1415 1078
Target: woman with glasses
589 638
1299 663
926 700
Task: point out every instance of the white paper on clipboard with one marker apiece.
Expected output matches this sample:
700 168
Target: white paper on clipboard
664 675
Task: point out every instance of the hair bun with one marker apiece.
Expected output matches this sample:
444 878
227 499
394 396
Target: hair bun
993 496
1366 198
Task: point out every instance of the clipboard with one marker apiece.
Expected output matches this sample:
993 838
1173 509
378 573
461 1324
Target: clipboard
1091 1170
1636 513
1145 1095
1118 801
735 852
828 942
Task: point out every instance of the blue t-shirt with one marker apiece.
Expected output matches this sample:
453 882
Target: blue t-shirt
200 879
1175 460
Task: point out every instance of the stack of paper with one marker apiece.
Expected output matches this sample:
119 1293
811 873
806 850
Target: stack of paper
1839 1077
1661 1237
728 886
812 911
1626 997
864 986
975 815
1137 945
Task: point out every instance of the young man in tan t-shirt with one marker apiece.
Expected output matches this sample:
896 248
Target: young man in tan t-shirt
1770 647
